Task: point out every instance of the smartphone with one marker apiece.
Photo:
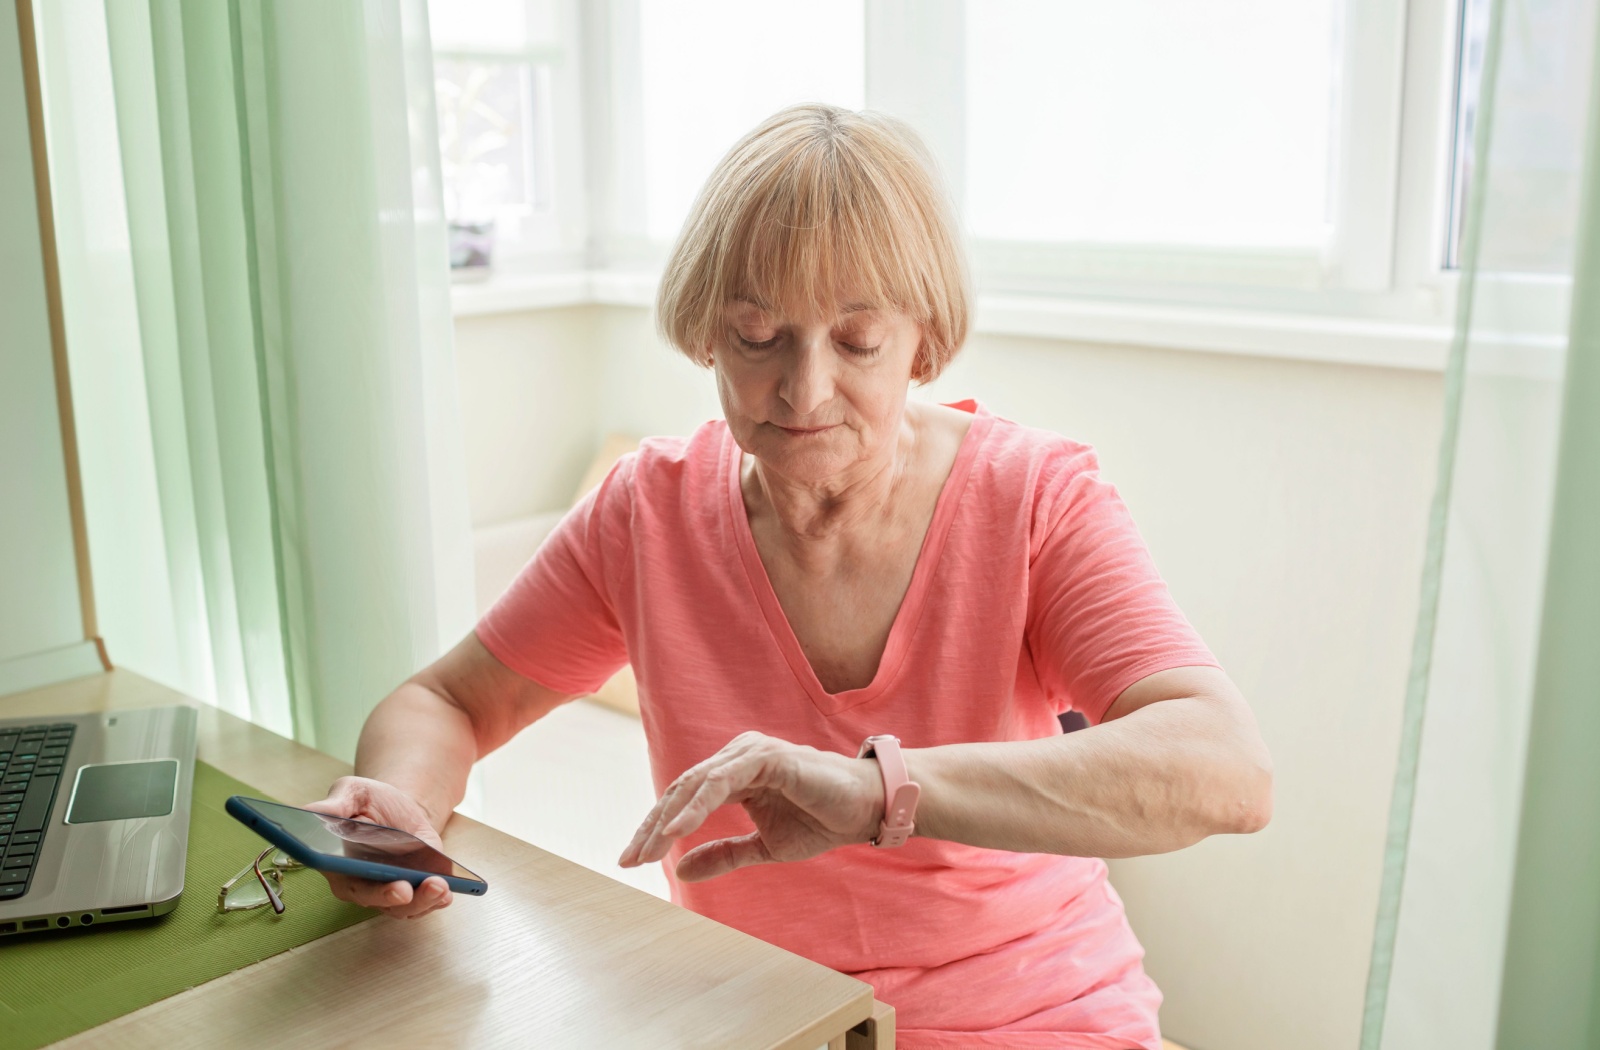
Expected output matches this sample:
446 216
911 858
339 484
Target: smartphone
351 847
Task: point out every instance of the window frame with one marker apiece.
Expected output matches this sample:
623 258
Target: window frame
1382 279
552 233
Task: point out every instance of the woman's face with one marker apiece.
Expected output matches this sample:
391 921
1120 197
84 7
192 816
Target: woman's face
813 397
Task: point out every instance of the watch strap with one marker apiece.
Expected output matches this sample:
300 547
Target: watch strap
900 793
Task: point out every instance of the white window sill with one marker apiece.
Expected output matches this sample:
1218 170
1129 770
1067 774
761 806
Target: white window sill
516 293
1335 340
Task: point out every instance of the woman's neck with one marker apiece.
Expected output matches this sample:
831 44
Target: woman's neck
807 513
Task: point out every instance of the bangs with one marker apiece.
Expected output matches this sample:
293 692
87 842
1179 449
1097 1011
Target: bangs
815 209
820 234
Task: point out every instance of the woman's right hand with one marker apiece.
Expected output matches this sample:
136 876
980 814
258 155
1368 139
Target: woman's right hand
360 798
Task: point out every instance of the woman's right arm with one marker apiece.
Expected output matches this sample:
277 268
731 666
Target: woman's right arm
424 737
415 752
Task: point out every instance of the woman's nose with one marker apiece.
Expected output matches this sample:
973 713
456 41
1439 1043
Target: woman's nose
808 381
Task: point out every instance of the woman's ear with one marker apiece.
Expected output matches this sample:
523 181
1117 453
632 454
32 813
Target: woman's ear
922 362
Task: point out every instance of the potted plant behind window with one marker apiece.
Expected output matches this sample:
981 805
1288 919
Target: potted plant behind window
473 135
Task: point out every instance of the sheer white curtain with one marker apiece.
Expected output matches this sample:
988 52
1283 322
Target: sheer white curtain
1438 960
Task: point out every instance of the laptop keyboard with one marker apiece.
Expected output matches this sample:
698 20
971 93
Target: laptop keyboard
31 758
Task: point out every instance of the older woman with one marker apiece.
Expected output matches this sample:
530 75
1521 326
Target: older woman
855 620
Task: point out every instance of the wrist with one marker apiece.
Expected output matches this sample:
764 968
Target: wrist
871 780
900 792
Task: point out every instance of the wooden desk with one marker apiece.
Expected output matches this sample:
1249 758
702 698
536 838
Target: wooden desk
554 956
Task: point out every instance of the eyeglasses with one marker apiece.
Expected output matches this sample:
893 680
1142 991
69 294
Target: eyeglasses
258 884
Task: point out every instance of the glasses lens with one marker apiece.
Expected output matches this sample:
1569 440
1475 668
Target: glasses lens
282 861
246 891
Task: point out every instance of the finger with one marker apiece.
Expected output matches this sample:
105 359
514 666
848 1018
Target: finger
689 810
345 797
684 787
714 791
432 895
686 782
711 859
685 817
369 894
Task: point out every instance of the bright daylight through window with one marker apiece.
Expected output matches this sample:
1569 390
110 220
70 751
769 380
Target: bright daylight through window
1536 160
492 82
1269 158
713 69
1150 122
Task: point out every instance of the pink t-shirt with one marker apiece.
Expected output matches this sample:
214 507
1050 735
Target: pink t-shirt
1032 594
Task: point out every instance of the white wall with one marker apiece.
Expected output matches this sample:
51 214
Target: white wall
530 388
1285 503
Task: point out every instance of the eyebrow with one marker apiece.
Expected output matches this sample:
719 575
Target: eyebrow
849 308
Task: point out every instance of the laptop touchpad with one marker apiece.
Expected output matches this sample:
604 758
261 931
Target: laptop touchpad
124 790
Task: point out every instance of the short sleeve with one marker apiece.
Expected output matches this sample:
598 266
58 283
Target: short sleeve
557 623
1100 617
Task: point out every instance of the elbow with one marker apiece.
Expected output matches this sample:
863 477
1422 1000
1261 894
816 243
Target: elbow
1250 802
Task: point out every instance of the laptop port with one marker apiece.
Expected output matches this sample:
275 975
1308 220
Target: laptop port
36 924
86 918
127 909
8 927
63 922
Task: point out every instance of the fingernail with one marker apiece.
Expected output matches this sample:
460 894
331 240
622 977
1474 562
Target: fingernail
392 894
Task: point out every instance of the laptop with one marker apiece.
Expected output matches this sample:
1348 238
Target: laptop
94 817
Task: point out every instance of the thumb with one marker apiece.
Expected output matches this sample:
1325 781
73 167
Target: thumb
344 800
710 859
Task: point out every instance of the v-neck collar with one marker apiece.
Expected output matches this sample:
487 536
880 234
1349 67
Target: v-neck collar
906 617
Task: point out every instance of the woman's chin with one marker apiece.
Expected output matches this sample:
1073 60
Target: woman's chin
803 465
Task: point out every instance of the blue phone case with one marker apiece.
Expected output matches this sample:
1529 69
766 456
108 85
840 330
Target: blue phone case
240 809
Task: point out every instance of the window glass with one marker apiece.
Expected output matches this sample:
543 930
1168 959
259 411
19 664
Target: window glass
713 69
1541 96
485 137
1152 121
491 25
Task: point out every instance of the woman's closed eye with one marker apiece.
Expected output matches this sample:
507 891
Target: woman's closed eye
757 344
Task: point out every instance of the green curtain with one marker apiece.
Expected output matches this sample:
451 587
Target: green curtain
258 320
1509 609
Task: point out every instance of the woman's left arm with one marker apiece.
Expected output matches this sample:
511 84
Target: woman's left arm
1176 758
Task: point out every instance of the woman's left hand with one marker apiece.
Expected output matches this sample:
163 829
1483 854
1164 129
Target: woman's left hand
802 801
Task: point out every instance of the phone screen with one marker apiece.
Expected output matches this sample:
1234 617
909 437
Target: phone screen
358 840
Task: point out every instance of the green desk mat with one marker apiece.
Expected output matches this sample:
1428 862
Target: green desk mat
57 984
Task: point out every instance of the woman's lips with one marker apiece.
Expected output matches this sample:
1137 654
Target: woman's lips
800 431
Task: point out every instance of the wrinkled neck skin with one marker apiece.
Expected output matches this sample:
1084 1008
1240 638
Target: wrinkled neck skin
814 516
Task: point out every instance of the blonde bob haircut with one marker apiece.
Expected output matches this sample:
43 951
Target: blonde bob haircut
818 206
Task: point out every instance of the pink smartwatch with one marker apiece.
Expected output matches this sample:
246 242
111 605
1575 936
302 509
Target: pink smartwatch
899 794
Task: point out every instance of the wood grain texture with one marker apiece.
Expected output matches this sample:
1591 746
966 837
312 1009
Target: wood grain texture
555 955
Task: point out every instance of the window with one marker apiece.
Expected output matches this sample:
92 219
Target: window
1148 123
710 70
496 68
1253 156
1540 97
